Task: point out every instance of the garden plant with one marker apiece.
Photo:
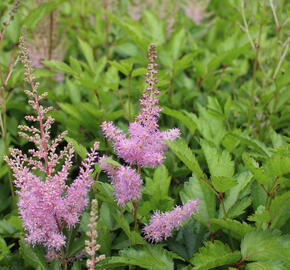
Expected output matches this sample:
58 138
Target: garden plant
144 134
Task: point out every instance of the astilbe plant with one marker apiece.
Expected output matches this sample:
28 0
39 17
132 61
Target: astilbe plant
144 147
47 204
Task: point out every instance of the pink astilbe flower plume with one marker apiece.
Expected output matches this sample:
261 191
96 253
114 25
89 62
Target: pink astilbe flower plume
162 224
126 182
47 203
145 145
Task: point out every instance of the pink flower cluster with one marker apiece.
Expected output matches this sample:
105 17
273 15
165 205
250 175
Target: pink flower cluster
126 182
162 224
145 145
47 203
46 206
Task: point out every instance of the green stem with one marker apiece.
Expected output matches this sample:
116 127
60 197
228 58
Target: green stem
129 96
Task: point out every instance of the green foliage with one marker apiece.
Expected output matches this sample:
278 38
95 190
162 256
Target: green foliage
186 156
213 255
265 246
224 82
235 227
146 257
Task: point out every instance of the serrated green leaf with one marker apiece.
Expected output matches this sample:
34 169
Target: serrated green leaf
155 27
176 44
134 237
196 189
250 142
139 71
265 246
121 67
234 195
88 53
261 217
57 65
33 256
219 163
186 120
149 257
279 210
223 183
278 165
269 265
183 152
4 249
214 254
239 207
211 128
258 172
239 229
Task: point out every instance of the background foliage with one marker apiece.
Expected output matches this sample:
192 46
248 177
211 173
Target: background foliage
224 82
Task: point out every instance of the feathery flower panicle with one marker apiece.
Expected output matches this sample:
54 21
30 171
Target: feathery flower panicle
91 245
162 224
145 145
126 182
46 203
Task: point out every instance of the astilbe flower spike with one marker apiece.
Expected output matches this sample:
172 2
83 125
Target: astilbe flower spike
126 182
145 145
162 224
46 202
91 245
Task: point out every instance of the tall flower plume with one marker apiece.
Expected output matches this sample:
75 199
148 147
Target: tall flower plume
162 224
145 145
47 203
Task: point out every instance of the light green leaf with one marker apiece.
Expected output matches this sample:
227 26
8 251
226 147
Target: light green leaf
57 65
279 210
121 67
278 165
183 152
177 43
265 246
155 27
80 149
196 189
4 249
213 255
238 208
183 118
238 229
134 237
250 142
234 195
219 163
160 183
223 183
269 265
148 257
258 172
111 161
139 71
88 53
